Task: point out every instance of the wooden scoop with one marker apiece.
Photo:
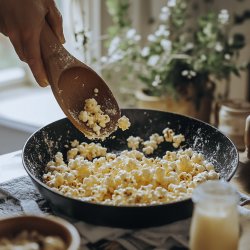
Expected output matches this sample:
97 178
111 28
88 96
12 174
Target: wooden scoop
73 82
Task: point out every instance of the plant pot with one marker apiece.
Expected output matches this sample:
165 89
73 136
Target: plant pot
181 105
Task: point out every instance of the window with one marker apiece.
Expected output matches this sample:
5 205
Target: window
82 22
10 65
7 54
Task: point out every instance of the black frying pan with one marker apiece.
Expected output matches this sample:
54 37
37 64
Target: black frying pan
46 142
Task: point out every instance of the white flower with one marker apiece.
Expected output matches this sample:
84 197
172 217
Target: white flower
131 33
162 31
227 56
152 61
203 58
171 3
165 9
151 38
116 57
184 73
114 45
162 27
192 73
156 81
223 16
145 51
189 46
188 73
218 47
166 44
207 30
164 17
165 13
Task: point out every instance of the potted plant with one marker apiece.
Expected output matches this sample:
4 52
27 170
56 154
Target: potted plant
179 67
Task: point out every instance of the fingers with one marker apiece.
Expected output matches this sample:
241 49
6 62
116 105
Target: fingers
2 27
54 19
15 40
32 56
27 47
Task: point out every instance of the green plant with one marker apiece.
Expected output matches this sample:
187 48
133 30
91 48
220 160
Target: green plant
176 58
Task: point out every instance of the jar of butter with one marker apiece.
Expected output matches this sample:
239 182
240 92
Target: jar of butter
215 222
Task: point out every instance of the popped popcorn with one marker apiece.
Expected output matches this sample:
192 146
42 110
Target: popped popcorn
32 240
93 116
149 146
124 123
91 173
170 136
134 142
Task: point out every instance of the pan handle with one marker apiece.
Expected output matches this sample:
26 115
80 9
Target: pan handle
247 137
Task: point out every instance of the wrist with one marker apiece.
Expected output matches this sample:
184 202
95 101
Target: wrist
4 11
1 16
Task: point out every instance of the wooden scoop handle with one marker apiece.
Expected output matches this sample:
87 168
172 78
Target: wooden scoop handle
247 137
55 57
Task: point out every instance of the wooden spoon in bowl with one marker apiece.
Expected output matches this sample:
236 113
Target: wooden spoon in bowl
72 82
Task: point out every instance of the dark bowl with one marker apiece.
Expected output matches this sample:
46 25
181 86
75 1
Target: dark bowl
44 225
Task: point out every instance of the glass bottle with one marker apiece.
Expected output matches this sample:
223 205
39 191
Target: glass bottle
215 222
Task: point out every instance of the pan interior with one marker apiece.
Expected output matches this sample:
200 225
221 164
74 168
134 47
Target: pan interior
216 147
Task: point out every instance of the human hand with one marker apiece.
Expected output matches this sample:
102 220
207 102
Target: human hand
22 21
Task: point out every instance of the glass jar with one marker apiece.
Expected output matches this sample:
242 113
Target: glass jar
215 222
232 119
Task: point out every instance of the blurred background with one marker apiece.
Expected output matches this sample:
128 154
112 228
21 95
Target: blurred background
184 56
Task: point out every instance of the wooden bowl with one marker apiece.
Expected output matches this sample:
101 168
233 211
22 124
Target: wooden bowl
45 225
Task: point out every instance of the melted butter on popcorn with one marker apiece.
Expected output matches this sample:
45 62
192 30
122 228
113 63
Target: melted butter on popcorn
90 173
